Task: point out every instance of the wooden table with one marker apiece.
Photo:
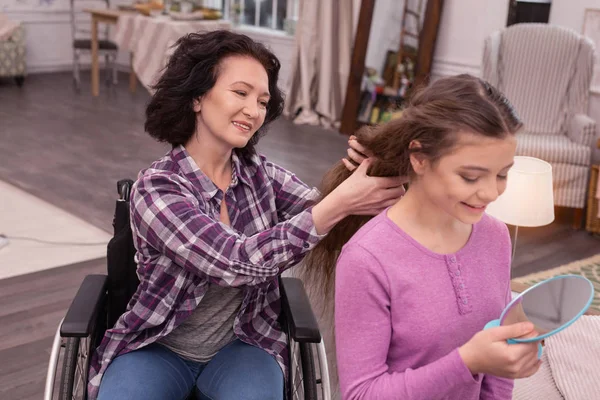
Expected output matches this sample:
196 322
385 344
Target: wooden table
106 16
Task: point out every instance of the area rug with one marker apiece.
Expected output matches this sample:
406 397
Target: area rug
588 267
42 236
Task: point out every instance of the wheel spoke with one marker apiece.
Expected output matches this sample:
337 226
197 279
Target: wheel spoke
298 389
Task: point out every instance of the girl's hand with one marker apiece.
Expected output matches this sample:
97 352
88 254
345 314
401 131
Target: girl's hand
488 352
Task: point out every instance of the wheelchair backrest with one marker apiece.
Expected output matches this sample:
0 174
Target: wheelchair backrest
120 255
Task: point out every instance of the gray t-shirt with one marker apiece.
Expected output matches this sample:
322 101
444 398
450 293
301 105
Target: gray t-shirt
210 326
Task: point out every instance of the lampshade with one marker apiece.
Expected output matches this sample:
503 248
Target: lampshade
528 199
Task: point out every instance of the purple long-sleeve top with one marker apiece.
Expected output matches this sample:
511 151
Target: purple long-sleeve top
402 311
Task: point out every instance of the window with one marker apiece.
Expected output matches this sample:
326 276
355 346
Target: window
269 14
528 11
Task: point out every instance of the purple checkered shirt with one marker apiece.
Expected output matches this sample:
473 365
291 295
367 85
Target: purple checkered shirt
182 247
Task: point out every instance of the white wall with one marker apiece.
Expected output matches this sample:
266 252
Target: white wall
569 13
48 31
463 27
466 23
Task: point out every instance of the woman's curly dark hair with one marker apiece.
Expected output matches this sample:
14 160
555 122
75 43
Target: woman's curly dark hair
192 71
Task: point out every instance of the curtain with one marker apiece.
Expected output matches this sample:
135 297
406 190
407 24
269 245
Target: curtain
321 64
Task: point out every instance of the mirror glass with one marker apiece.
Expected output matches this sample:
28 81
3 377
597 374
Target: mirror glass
551 305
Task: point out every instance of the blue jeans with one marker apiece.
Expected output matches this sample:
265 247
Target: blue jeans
238 371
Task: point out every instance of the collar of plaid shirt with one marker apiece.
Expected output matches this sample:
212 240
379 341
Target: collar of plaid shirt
175 218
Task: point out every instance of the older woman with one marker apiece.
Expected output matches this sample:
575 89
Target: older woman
214 225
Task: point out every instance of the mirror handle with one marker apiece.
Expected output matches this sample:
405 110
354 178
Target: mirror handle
492 324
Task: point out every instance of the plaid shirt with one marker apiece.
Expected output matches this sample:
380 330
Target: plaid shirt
182 247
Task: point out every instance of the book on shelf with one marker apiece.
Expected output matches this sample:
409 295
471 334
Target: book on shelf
377 107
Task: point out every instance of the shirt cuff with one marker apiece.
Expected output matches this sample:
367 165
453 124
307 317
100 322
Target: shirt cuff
448 374
315 194
464 373
302 232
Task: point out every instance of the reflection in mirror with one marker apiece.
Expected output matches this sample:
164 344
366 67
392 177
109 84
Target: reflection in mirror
391 56
390 63
551 305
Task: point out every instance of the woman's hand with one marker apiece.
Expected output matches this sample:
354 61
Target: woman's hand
357 153
360 194
488 352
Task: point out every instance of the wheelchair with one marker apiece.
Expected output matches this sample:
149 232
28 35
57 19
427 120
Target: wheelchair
101 299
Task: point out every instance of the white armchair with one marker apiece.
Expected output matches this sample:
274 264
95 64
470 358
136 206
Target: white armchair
545 71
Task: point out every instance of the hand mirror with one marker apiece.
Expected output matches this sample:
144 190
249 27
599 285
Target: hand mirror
551 305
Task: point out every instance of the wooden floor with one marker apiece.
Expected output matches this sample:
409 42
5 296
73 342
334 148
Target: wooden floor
70 149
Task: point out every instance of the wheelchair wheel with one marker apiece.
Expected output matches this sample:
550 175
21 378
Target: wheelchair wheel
303 373
73 381
309 371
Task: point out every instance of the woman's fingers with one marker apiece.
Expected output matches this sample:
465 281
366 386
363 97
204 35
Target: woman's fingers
393 193
391 182
397 192
349 166
355 145
389 203
355 156
388 197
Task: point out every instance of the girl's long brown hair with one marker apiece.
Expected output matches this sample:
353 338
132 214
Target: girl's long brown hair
433 117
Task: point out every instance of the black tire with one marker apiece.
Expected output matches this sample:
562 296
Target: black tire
73 382
309 374
19 79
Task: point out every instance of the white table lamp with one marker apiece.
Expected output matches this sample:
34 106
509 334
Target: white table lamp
528 199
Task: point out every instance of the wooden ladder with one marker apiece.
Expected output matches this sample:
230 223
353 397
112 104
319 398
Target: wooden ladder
407 13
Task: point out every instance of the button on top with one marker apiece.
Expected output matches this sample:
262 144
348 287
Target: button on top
457 273
306 245
452 259
461 286
465 301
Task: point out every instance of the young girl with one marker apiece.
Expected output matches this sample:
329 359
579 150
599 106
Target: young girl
416 284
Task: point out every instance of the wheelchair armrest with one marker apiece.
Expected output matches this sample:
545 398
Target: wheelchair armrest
85 307
298 313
